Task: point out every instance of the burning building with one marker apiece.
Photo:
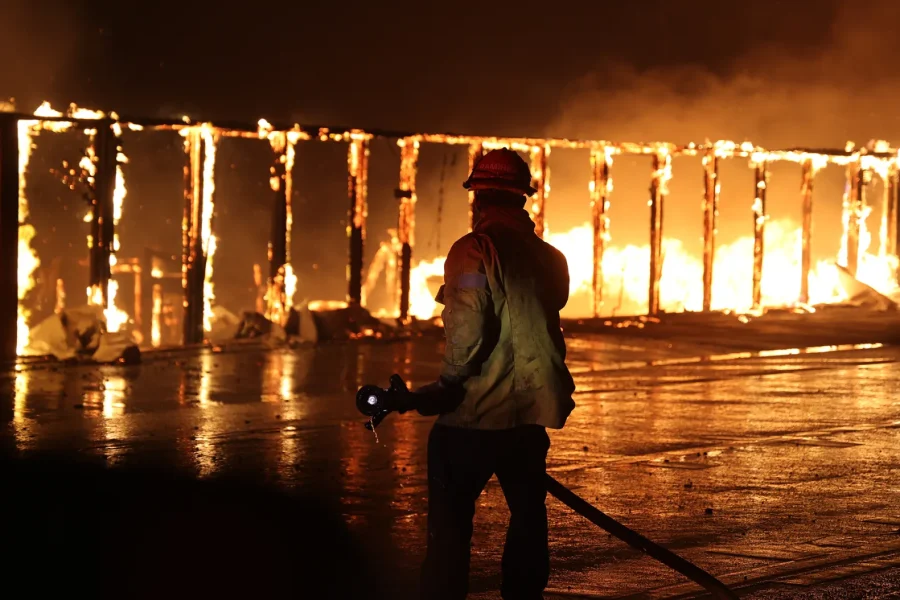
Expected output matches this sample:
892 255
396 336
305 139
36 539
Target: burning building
174 301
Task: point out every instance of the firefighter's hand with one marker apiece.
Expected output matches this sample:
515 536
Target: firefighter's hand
438 398
401 399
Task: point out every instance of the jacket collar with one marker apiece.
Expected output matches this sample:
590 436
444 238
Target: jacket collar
514 218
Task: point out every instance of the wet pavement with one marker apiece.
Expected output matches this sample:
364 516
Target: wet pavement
778 472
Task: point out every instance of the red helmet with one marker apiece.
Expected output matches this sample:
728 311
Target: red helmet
501 169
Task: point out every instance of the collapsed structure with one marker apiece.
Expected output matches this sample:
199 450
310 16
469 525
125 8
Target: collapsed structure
100 171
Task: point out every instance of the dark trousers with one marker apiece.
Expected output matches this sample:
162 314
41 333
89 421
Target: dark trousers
460 463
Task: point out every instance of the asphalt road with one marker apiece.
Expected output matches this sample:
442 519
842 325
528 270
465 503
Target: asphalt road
779 473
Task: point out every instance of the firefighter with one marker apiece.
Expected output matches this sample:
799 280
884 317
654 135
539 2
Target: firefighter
504 381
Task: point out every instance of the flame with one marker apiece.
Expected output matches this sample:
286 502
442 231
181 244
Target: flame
95 295
115 316
290 278
156 315
280 295
208 239
422 304
28 260
264 129
319 305
627 274
45 110
290 284
76 112
60 296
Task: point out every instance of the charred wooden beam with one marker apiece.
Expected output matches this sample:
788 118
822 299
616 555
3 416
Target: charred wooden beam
540 173
146 276
138 273
806 198
891 189
106 148
357 189
9 236
761 184
476 151
278 237
193 257
854 205
710 215
406 229
599 189
662 172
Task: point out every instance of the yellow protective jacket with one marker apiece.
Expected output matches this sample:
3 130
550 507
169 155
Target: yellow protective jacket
502 293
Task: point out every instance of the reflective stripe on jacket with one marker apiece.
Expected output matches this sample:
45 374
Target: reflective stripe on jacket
503 290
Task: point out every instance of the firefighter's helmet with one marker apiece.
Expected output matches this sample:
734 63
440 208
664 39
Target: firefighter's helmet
501 169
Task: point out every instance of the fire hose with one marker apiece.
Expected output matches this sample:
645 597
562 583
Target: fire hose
376 403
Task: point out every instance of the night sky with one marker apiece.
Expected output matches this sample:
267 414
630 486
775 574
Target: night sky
490 67
810 73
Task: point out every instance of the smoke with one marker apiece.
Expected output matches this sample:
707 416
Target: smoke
776 96
38 38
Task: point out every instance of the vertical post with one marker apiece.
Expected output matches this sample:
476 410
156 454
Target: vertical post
148 280
710 214
103 209
662 172
854 204
806 197
888 232
9 236
193 265
476 151
138 297
761 184
540 174
600 188
278 238
892 186
290 279
406 194
357 168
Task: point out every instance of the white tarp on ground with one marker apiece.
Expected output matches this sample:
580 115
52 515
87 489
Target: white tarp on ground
864 295
224 325
77 332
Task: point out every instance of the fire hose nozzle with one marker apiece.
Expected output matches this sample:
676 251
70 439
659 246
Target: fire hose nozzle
376 403
370 400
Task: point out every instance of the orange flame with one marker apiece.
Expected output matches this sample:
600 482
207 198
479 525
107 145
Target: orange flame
207 237
627 274
28 260
156 317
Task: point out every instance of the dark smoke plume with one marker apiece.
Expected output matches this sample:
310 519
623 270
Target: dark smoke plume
774 95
